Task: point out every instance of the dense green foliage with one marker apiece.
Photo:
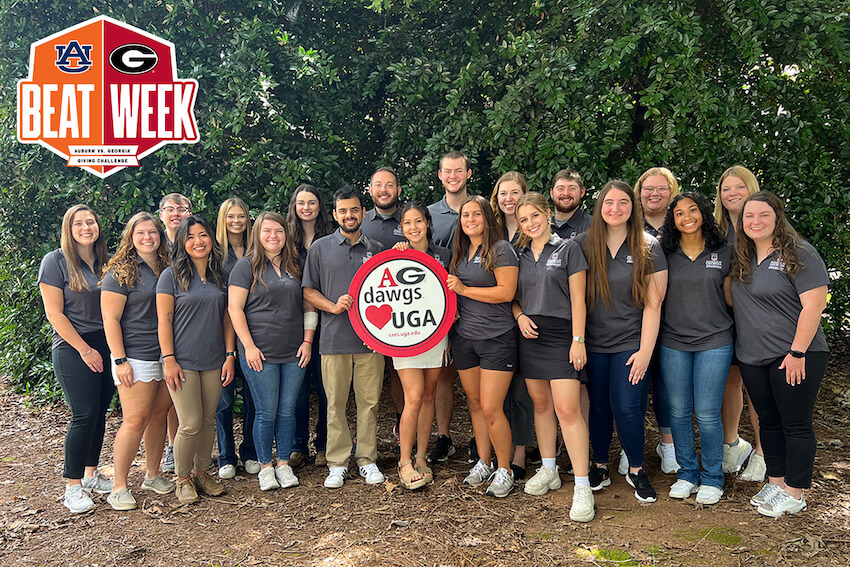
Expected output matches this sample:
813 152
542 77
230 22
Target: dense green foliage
323 92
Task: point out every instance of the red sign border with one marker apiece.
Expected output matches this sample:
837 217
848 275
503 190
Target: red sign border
354 313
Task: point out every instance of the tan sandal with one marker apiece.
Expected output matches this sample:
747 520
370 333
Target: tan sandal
424 470
412 479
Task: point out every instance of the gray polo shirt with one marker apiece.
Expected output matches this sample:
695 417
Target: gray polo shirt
331 264
82 308
617 329
478 320
138 321
198 321
543 287
274 314
229 261
573 226
441 254
386 231
694 316
443 223
650 229
768 307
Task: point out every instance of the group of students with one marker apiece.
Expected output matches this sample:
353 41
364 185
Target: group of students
552 309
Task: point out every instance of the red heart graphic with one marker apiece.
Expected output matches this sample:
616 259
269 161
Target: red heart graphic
379 316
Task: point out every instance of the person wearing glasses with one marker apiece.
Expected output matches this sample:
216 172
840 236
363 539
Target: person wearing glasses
654 189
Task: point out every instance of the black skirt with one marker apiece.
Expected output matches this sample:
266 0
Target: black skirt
548 356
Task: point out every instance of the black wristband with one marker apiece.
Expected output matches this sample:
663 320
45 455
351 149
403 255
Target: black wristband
164 356
797 353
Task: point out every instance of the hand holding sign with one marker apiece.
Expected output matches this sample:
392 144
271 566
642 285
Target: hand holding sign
342 304
401 303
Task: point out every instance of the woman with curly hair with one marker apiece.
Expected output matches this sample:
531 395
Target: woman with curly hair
506 193
69 281
779 289
128 303
483 273
696 342
198 348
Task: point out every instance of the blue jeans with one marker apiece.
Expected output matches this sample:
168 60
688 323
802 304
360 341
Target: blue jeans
275 390
302 408
614 398
224 424
660 400
695 384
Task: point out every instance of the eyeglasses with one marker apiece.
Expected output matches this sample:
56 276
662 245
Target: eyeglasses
181 210
654 189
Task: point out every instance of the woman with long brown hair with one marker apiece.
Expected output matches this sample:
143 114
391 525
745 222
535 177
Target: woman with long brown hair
625 287
128 302
69 281
269 312
779 290
483 273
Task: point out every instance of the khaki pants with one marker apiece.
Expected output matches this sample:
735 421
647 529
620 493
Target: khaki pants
367 373
195 403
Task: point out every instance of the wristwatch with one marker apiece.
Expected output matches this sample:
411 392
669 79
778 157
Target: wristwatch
578 339
797 353
230 353
120 361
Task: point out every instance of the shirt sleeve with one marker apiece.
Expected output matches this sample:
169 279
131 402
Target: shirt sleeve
576 261
110 283
813 274
165 284
50 273
656 254
311 275
505 255
241 274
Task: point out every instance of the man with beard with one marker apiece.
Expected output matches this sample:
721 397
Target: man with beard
383 225
331 264
567 192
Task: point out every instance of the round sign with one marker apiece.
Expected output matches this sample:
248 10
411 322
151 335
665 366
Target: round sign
402 306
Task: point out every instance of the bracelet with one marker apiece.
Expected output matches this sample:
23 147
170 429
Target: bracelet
578 339
520 315
230 353
306 341
88 352
164 356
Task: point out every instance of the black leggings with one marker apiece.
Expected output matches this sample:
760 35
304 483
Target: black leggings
88 394
785 417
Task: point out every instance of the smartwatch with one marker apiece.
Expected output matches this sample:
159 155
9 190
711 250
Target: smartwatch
797 353
120 361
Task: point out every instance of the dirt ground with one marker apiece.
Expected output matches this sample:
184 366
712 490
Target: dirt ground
445 524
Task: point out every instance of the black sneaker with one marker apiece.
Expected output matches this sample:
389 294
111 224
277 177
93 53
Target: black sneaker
598 477
519 472
443 449
643 490
533 457
473 451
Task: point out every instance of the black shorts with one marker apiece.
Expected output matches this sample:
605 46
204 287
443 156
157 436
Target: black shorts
498 353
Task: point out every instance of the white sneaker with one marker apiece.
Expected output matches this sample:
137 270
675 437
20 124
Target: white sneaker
667 452
77 500
252 466
267 479
336 477
121 500
503 483
372 474
623 467
285 477
682 489
582 507
543 481
781 503
735 457
709 495
226 472
766 493
479 474
756 469
97 483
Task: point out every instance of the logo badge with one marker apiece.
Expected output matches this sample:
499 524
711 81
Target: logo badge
103 95
402 306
